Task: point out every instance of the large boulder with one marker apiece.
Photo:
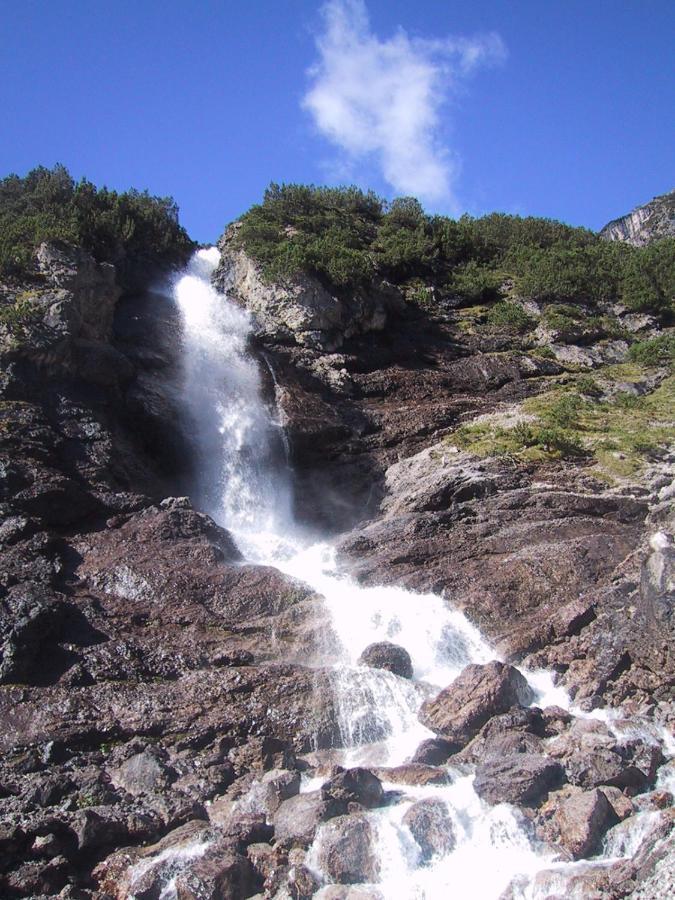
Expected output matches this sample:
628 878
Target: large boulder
346 852
388 656
431 827
479 693
297 819
582 821
521 778
353 788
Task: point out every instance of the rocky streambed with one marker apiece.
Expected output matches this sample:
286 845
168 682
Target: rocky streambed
178 720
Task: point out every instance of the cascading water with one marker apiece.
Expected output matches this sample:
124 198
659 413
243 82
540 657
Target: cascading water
242 482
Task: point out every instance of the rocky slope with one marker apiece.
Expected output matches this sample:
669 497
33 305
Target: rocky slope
644 224
157 694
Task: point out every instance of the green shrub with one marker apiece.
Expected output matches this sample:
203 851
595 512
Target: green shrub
132 227
347 238
648 277
509 317
655 351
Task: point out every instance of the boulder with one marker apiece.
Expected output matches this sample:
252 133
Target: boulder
298 818
582 821
433 752
431 827
384 655
142 773
220 874
346 852
520 778
479 693
353 788
414 774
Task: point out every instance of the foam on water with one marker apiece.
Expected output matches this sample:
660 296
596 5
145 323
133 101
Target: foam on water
243 482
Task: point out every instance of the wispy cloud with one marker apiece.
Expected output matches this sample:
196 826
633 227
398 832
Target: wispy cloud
382 100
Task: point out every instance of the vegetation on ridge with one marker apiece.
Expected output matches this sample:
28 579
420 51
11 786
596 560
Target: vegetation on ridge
348 238
130 228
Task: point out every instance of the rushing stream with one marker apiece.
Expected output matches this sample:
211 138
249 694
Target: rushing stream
243 483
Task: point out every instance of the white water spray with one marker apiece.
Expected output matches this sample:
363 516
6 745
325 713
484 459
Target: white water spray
242 482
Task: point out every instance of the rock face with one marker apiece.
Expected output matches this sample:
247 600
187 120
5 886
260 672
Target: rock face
301 311
644 224
391 657
481 692
160 697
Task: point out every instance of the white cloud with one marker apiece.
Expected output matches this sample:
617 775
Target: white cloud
382 99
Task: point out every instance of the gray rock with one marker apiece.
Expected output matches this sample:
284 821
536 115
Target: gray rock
300 309
142 774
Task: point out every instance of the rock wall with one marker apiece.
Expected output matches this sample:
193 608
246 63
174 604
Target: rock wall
644 224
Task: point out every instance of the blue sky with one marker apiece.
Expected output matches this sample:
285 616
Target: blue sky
561 108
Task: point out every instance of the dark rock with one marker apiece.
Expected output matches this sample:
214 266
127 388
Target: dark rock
357 787
520 778
346 852
431 826
479 693
391 657
433 752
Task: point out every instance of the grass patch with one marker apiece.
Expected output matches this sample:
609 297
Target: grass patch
657 351
572 422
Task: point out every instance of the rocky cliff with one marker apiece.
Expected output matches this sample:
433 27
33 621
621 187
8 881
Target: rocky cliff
644 224
157 693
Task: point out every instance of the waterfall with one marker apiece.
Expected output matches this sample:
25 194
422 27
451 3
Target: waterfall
241 480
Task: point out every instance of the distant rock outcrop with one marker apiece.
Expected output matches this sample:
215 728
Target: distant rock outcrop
644 224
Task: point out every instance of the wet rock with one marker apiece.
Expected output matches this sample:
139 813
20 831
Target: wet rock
433 752
220 874
621 804
262 755
353 788
297 819
431 827
479 693
302 882
592 756
414 774
391 657
520 778
582 820
346 850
